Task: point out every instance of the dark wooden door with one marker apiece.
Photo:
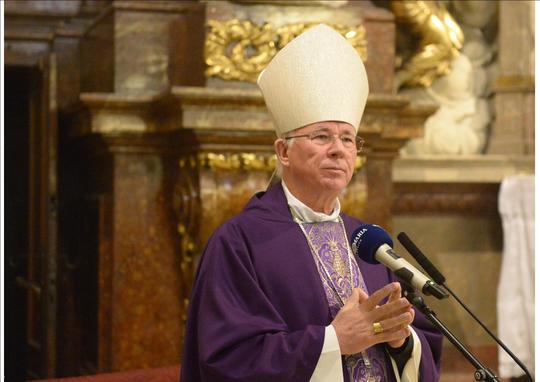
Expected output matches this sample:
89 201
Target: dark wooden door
30 219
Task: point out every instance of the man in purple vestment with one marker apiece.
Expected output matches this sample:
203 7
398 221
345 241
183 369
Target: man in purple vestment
278 295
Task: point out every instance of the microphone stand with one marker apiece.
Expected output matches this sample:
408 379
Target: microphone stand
439 278
508 351
482 373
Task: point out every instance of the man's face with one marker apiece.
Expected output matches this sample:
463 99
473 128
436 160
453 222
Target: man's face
327 167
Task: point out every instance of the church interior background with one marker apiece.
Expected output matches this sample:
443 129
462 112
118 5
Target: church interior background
134 128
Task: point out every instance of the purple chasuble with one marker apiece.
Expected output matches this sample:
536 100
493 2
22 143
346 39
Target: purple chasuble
340 274
258 309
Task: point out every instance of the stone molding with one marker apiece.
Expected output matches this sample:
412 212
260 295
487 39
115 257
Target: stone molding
465 169
466 185
448 198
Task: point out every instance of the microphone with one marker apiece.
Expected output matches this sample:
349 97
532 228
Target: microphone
373 245
440 279
424 262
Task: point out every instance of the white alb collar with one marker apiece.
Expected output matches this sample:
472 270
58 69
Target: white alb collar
306 214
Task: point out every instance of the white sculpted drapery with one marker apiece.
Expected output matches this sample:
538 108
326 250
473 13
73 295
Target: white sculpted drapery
515 297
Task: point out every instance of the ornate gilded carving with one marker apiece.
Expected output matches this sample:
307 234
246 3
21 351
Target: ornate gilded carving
187 251
259 162
221 161
238 162
240 50
440 40
243 162
187 209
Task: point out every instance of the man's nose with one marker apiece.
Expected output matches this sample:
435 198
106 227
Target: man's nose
336 146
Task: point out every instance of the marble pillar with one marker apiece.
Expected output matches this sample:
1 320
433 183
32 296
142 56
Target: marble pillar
513 131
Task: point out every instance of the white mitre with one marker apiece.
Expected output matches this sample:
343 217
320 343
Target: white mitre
316 77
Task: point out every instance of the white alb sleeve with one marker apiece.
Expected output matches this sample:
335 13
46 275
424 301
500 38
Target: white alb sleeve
329 364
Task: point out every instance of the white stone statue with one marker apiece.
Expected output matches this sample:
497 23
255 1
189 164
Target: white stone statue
459 125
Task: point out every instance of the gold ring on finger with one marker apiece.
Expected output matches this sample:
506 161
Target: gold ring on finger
377 328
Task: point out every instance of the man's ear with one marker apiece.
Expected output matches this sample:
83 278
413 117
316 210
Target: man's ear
281 148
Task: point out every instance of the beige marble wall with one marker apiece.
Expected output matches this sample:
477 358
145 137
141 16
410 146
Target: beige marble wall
141 51
151 40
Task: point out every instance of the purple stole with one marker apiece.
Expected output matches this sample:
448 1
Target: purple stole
337 268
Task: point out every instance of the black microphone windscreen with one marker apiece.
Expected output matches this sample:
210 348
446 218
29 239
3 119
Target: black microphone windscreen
367 239
415 252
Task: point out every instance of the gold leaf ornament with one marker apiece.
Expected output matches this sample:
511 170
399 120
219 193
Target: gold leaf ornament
440 39
239 50
238 161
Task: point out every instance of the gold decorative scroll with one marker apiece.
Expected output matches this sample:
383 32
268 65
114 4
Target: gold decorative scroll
440 40
238 50
243 162
187 209
187 251
238 162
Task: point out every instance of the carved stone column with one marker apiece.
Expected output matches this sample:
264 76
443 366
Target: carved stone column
129 170
513 131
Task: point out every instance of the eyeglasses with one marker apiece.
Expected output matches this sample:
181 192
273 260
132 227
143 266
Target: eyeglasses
323 138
